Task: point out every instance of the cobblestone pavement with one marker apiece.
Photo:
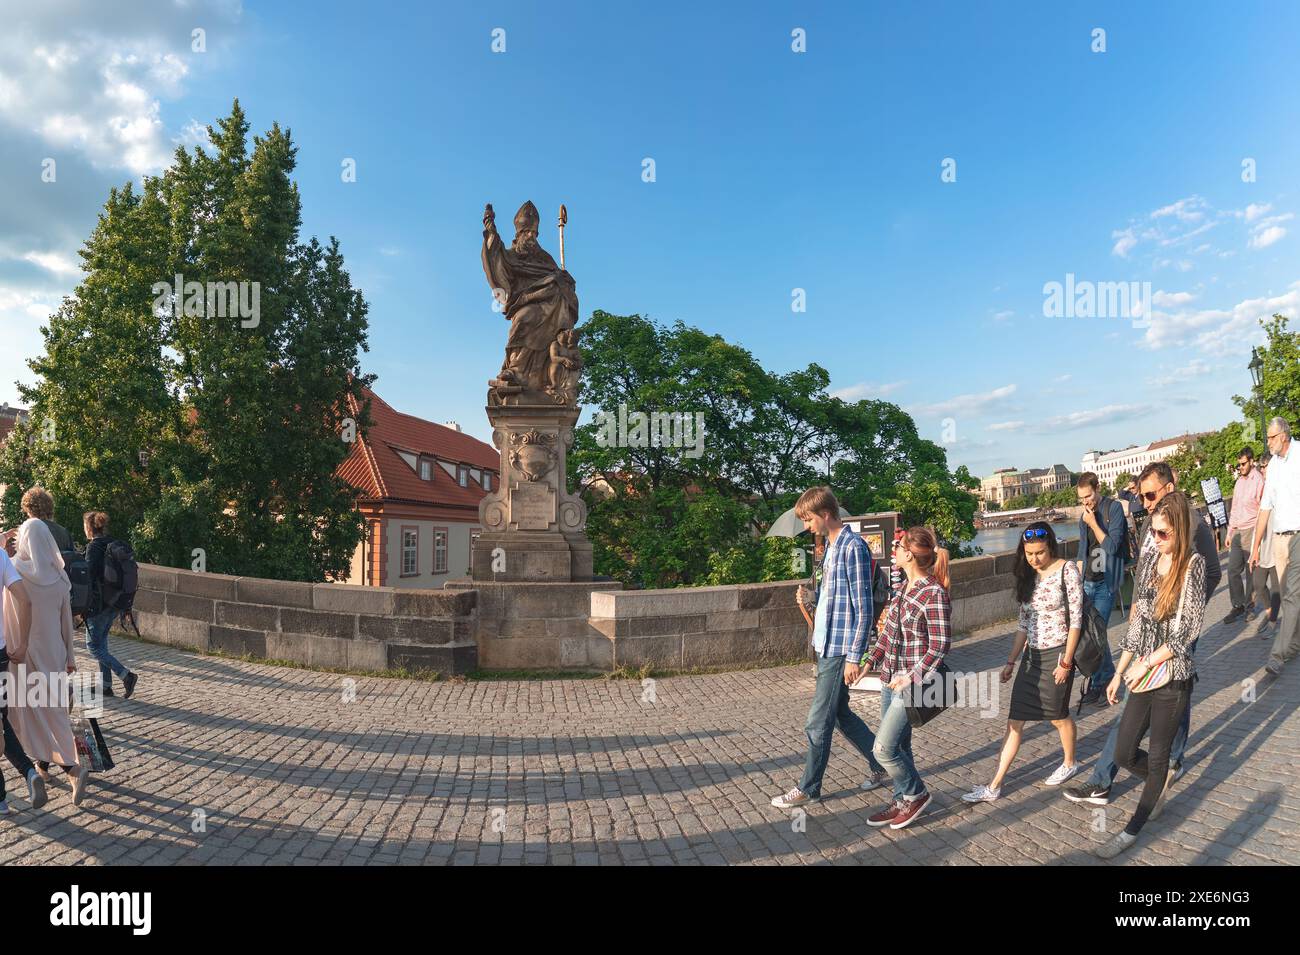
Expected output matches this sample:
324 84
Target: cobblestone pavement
280 769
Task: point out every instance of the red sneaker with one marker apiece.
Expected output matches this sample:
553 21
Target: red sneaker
886 815
908 812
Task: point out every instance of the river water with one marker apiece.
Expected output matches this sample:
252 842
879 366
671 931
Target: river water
1002 540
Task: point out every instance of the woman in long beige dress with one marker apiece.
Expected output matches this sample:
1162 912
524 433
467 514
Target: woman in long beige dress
40 642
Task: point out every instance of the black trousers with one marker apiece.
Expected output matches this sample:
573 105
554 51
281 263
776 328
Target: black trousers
1160 711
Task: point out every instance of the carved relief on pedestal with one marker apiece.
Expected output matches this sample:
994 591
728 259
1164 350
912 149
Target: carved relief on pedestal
532 453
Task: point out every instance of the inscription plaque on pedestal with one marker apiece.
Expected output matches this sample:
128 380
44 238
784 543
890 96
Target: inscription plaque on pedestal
532 507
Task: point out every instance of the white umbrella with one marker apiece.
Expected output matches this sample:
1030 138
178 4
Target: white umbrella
790 525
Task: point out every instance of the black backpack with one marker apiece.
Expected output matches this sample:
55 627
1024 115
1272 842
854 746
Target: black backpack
78 571
121 576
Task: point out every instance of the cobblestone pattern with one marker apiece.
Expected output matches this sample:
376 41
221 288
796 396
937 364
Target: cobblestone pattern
282 770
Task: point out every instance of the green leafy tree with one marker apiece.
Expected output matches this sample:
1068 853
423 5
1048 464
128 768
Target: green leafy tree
194 429
1279 391
662 517
1213 455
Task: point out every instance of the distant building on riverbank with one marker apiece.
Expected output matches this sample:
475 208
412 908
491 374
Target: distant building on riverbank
1108 465
1008 483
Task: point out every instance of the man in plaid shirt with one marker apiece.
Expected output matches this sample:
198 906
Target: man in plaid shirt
840 635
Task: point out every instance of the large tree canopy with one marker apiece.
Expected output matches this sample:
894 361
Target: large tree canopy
662 515
195 428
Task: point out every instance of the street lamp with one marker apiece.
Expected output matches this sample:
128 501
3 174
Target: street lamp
1256 367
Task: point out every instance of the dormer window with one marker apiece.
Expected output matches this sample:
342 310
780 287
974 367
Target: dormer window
426 469
462 476
487 481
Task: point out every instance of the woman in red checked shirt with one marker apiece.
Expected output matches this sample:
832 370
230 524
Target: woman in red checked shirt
914 639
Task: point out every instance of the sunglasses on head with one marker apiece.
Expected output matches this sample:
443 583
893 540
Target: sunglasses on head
1033 533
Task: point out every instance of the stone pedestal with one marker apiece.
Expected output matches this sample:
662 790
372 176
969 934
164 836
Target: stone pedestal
533 528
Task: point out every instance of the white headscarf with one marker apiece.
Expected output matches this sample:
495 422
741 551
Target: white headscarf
38 559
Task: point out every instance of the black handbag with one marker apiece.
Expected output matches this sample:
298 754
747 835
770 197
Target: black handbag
930 697
1090 651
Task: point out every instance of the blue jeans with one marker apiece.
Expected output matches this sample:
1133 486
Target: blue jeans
1103 774
894 745
1103 598
97 628
830 708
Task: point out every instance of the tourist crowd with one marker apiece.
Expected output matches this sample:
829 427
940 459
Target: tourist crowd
36 642
1065 606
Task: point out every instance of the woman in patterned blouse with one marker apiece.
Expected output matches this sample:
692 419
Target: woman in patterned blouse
1168 608
1050 591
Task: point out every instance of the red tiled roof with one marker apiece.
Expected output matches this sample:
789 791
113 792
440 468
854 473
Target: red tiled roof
8 418
376 469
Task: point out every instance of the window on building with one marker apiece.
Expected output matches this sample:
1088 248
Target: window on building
439 550
462 476
426 469
474 534
410 551
487 481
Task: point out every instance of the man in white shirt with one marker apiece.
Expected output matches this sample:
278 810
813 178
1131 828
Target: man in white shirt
11 585
1280 510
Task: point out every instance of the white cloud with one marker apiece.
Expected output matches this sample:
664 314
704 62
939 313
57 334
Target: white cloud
1006 426
1254 211
1163 299
1196 368
1187 210
1266 237
1127 240
1075 420
85 78
54 262
1003 315
852 393
1220 330
967 405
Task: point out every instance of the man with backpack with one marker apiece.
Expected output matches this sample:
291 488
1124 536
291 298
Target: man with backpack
112 585
1103 541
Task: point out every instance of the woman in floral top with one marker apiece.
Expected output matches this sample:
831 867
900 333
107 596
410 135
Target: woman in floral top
1156 663
1050 591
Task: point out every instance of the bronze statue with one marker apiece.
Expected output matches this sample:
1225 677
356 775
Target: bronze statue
541 303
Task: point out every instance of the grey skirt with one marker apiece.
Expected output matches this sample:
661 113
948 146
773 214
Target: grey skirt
1036 695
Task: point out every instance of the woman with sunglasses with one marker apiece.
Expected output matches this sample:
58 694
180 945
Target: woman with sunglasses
1050 592
1156 662
912 643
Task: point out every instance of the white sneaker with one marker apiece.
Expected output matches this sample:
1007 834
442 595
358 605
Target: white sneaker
874 781
36 794
982 794
1063 772
1119 844
795 797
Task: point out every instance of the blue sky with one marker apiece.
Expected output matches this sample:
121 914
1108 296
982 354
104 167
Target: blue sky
774 170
